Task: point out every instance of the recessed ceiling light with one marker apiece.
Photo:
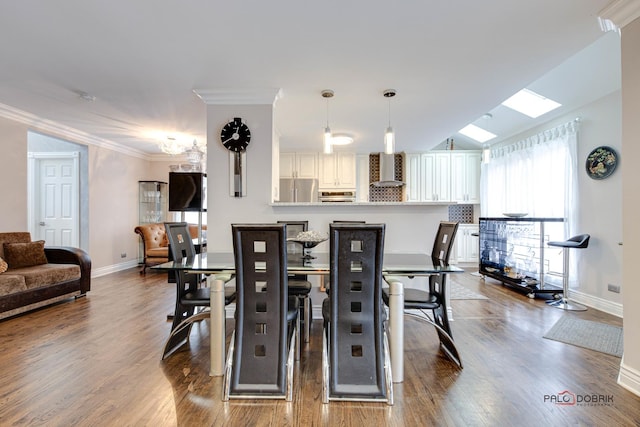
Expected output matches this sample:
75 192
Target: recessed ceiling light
530 103
477 133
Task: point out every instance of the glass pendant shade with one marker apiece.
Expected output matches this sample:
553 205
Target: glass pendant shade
389 141
328 147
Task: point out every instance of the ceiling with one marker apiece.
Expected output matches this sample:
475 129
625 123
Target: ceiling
450 62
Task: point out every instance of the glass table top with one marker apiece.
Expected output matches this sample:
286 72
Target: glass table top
406 264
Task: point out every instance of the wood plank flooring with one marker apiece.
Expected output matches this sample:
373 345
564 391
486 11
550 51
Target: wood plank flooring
96 362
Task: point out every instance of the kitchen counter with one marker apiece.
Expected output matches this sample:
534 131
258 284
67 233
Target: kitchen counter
347 204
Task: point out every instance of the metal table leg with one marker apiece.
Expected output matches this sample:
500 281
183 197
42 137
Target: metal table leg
396 329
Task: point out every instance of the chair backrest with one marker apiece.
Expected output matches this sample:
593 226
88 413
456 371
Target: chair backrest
260 355
180 240
293 229
356 349
444 241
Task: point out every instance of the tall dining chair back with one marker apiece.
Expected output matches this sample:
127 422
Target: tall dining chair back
191 297
299 285
261 355
443 242
435 298
356 364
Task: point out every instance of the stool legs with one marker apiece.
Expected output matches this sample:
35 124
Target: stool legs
564 303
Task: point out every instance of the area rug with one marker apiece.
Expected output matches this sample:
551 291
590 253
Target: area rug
460 292
588 334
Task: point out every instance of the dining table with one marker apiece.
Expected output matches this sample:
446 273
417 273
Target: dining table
217 266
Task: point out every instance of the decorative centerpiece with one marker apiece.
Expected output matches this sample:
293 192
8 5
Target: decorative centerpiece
308 240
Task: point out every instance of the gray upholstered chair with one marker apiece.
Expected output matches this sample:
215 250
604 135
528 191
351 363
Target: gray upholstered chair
191 298
434 299
355 352
265 340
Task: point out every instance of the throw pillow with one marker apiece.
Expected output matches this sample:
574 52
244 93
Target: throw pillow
3 265
25 254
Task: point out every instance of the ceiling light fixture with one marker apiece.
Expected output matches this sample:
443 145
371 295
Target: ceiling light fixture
327 143
340 139
171 146
389 136
87 96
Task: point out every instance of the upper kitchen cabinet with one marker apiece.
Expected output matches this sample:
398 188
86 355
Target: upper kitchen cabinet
299 165
436 171
413 175
465 176
337 170
443 176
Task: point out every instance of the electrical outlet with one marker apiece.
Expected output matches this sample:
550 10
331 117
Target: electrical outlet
613 288
123 255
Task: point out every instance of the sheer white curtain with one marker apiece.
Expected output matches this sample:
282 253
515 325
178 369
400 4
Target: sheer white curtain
537 176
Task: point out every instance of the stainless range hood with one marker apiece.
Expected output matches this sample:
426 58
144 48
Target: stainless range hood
388 176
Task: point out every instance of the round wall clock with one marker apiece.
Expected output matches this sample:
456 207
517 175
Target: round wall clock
601 162
235 136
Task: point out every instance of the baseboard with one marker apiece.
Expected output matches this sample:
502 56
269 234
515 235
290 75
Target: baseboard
103 271
629 378
601 304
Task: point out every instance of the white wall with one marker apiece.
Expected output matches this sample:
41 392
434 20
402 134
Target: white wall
630 367
408 228
13 176
113 194
600 203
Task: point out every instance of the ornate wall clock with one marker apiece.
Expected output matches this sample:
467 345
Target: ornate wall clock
235 136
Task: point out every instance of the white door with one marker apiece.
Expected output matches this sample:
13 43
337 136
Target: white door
55 198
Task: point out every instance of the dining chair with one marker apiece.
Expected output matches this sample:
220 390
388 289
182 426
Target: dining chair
299 285
191 298
434 298
265 340
355 351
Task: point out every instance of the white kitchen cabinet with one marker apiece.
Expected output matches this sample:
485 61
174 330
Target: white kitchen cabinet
465 176
337 170
413 176
298 165
465 247
362 178
435 176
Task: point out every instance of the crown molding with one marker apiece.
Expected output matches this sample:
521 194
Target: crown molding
53 128
618 14
266 96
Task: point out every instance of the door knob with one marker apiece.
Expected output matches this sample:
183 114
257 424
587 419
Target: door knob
42 223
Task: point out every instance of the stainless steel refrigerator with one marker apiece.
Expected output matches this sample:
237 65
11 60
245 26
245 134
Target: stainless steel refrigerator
298 190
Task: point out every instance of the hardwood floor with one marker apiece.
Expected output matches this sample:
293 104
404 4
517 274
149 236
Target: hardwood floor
96 362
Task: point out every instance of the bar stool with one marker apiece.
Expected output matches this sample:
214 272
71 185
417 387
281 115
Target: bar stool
580 241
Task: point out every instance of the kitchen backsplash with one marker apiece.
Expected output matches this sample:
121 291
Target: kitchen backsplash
386 194
461 213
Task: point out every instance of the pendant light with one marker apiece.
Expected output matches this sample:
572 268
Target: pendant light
327 146
389 136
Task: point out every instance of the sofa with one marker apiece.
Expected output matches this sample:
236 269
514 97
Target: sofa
32 275
155 243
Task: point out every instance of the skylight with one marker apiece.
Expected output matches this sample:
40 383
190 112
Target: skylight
477 133
530 103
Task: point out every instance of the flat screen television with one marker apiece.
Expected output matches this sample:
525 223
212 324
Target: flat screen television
187 191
